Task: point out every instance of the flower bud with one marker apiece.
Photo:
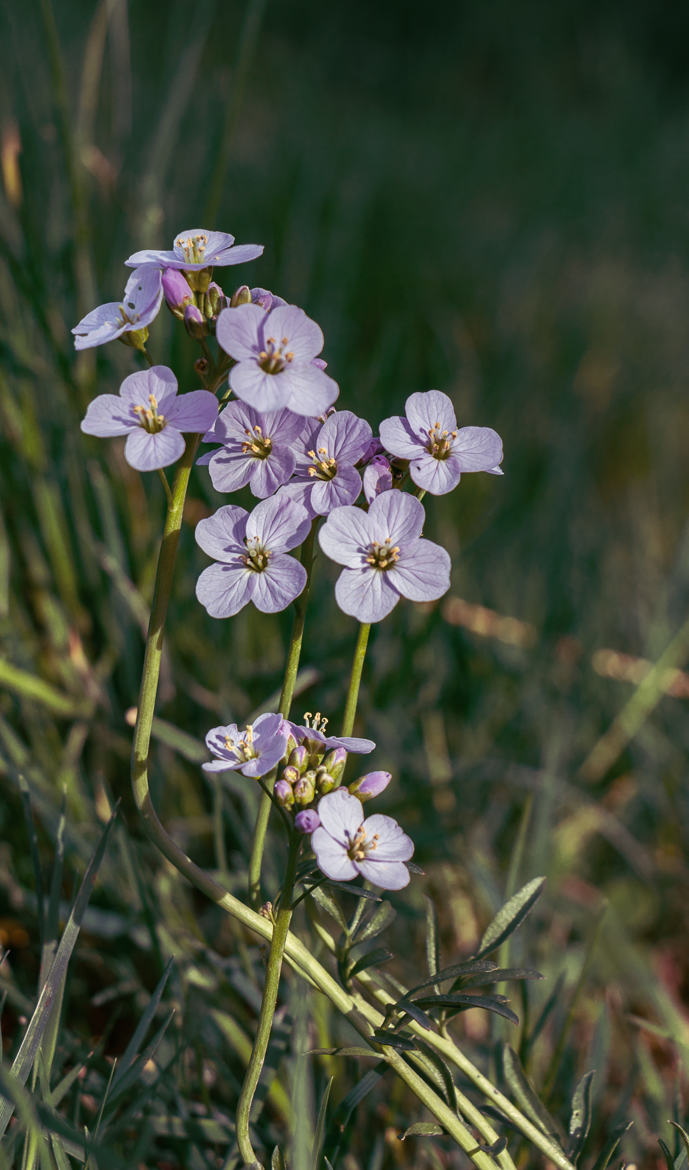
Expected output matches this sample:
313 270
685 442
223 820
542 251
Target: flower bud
176 291
266 299
298 758
305 789
372 784
216 300
290 774
283 793
334 762
241 297
307 820
194 322
377 478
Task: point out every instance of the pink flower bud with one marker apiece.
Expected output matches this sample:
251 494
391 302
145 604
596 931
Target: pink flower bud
283 793
176 291
307 821
194 322
372 784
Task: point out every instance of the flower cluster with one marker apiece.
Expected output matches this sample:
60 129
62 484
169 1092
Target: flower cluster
346 845
276 432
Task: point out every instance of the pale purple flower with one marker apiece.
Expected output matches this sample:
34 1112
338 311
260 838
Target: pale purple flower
347 845
307 821
152 416
258 448
377 478
274 354
370 785
251 550
327 478
384 555
141 302
312 733
198 248
254 750
438 452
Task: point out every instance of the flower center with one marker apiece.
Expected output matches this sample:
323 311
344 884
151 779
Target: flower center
148 416
257 444
243 748
383 556
439 442
192 248
358 847
323 466
257 556
274 357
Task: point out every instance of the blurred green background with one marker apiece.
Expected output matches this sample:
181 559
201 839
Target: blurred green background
487 199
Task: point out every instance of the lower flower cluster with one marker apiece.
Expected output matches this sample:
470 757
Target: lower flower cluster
309 767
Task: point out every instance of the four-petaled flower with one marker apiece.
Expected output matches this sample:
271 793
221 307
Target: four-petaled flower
326 477
384 555
141 302
254 750
346 844
152 416
258 449
438 452
197 248
274 354
251 550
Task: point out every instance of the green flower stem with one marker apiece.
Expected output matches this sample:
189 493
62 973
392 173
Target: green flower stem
270 994
286 696
362 1015
166 486
355 678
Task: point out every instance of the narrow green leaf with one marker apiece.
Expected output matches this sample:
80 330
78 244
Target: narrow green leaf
135 1068
456 971
131 1051
439 1072
277 1161
54 980
580 1115
683 1136
375 922
325 900
669 1160
432 944
360 1091
320 1126
385 1036
348 1050
500 975
374 958
414 1011
509 916
525 1095
422 1129
459 1002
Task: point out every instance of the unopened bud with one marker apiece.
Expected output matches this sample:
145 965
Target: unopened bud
283 793
136 338
334 762
290 774
372 784
377 478
241 297
194 322
305 789
216 300
176 291
298 758
307 820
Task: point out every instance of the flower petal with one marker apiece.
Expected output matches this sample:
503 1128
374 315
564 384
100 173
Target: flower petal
393 843
365 594
309 391
346 536
345 436
422 572
389 875
279 524
436 476
193 412
239 331
332 857
304 336
253 385
396 516
229 470
341 814
399 439
430 408
478 448
222 534
332 493
280 582
108 416
148 452
225 589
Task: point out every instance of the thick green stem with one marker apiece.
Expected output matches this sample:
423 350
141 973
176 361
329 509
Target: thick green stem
355 678
286 695
270 994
